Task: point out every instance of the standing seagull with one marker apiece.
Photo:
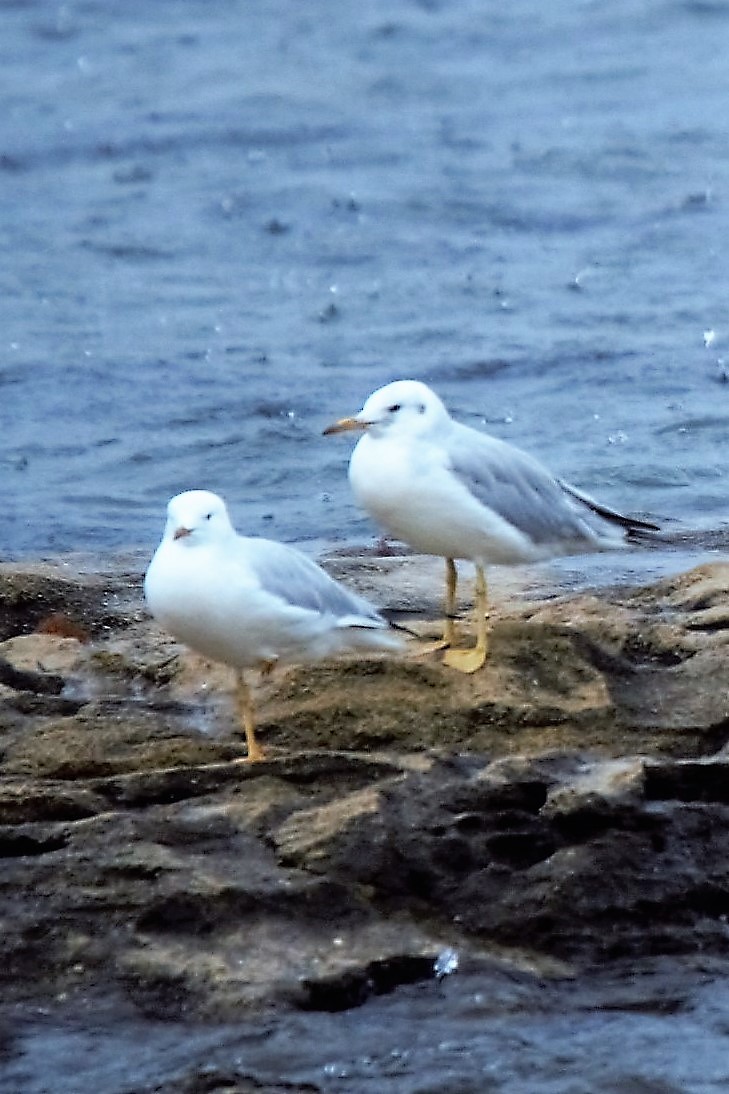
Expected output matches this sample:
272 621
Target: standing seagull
450 490
250 602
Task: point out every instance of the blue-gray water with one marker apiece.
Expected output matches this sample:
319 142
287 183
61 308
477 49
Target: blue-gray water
664 1032
222 224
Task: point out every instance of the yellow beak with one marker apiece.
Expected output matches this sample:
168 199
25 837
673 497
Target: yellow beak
344 425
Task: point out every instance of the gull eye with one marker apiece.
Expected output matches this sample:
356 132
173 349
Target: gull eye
208 516
394 408
421 408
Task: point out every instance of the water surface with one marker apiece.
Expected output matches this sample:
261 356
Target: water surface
223 224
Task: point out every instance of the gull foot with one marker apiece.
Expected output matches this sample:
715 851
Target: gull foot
465 660
255 755
424 648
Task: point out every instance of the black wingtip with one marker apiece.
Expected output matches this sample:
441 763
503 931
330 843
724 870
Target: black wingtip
632 525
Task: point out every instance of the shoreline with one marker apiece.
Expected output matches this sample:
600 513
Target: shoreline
559 814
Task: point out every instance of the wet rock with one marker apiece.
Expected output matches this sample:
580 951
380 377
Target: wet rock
355 986
88 601
565 807
23 680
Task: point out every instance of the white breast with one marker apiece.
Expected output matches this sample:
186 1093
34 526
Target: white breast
410 492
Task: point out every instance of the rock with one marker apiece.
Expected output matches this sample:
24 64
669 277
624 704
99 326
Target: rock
563 808
88 600
22 680
42 653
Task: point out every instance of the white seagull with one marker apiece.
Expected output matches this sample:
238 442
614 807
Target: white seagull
450 490
250 602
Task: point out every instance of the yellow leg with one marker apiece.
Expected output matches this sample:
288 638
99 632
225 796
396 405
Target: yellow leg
244 701
472 660
449 630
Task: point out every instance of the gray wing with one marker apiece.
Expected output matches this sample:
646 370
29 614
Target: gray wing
520 489
287 573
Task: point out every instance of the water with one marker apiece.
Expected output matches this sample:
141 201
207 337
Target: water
663 1033
223 225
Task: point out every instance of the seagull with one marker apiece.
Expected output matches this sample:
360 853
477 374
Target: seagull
250 602
450 490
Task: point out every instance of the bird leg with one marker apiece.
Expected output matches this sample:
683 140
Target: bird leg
449 630
244 701
472 660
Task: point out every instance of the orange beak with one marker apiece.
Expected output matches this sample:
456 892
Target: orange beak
344 425
181 532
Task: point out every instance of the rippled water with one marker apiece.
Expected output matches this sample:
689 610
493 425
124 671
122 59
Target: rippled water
224 224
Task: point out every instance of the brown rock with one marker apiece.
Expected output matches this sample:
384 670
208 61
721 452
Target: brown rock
568 803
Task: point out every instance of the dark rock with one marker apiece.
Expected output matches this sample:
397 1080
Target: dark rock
45 683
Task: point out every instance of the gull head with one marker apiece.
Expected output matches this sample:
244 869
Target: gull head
404 407
196 517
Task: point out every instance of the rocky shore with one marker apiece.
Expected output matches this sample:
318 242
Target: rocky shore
561 815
